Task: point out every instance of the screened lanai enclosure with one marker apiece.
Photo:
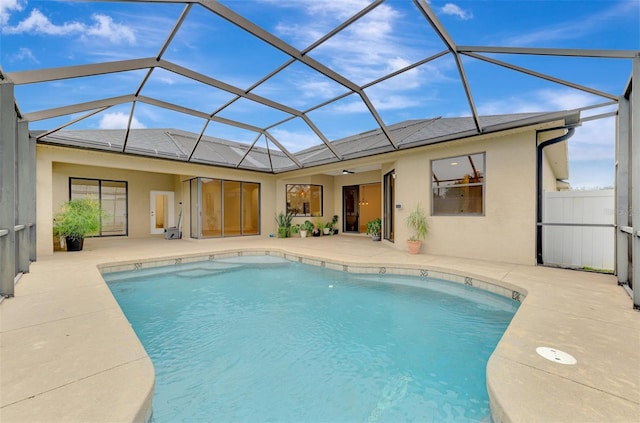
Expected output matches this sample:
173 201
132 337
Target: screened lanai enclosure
274 87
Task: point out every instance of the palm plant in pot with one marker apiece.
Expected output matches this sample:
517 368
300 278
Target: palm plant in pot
417 221
77 219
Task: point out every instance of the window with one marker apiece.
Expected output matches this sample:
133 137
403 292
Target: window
458 185
112 196
304 200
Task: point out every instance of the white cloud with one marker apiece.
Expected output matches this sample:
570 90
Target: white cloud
370 40
23 55
103 27
295 141
319 89
36 22
118 120
537 101
8 6
455 10
591 148
114 32
593 140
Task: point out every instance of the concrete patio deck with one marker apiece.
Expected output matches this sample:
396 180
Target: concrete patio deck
68 354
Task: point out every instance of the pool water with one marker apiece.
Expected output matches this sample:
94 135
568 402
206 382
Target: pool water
257 339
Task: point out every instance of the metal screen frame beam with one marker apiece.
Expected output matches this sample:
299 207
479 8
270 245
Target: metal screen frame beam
267 37
635 183
622 179
8 119
25 192
603 54
451 45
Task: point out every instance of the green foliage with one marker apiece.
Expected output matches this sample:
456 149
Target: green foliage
295 229
284 224
284 220
78 218
332 222
374 227
307 225
417 221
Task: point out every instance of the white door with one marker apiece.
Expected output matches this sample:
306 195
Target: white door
161 211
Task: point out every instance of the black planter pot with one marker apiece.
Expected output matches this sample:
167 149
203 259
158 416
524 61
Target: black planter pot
74 244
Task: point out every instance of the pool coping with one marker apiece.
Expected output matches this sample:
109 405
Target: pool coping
521 385
501 288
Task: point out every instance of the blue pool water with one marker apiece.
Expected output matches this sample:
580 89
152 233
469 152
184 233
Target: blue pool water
262 339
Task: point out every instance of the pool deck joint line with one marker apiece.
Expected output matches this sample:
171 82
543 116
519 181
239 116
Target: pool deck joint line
68 354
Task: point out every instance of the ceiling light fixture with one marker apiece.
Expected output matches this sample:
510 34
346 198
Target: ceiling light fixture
347 172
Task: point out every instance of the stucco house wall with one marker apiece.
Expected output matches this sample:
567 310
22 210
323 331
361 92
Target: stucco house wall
56 164
139 185
506 231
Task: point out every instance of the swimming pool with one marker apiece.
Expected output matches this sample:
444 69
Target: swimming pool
266 339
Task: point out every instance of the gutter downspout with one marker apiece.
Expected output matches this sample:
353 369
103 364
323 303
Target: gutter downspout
570 131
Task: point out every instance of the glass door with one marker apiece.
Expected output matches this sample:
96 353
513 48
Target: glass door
221 208
350 208
389 204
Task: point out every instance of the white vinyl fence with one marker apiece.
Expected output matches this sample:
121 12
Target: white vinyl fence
578 229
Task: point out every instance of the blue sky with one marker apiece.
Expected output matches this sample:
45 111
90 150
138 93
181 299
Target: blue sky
44 34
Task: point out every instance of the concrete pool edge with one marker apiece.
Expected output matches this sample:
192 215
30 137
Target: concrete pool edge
520 383
495 286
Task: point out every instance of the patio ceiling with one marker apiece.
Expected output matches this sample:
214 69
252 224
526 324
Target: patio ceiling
273 104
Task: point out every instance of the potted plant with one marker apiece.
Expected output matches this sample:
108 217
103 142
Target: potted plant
374 228
284 224
418 222
77 219
295 229
327 228
318 226
334 221
306 228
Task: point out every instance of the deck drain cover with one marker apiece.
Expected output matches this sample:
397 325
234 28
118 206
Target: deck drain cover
556 356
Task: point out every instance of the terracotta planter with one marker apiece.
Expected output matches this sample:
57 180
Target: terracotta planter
414 246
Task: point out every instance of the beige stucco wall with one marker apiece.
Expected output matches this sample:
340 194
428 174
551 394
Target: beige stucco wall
56 164
505 233
139 186
328 199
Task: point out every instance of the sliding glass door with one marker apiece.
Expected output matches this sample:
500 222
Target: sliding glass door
221 208
112 196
